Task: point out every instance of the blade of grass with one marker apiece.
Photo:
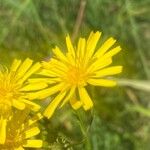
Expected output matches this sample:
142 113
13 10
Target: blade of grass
22 8
140 109
136 38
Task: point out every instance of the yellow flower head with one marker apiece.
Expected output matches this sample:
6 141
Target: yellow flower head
20 132
14 87
69 74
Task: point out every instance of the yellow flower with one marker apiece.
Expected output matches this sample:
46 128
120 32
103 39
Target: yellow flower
14 89
21 130
69 74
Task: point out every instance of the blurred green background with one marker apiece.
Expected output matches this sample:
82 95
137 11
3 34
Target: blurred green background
120 119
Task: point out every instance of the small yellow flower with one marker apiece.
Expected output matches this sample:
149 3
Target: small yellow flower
14 89
69 74
20 132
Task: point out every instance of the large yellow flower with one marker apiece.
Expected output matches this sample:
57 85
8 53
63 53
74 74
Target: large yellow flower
69 74
14 89
21 129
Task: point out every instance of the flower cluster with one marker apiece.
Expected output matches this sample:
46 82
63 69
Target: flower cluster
20 128
65 75
14 90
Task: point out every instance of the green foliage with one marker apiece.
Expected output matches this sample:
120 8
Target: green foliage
31 28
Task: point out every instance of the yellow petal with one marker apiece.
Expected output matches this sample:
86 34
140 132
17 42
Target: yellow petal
37 80
59 54
102 82
34 86
69 95
99 64
32 70
18 104
32 132
33 120
54 104
24 67
46 92
108 71
91 44
85 98
33 143
34 106
70 46
57 64
113 52
3 123
46 64
46 80
105 47
81 48
71 59
76 104
15 65
90 36
48 73
59 70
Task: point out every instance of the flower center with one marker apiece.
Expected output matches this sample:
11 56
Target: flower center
5 94
76 76
14 139
8 92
